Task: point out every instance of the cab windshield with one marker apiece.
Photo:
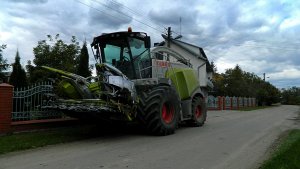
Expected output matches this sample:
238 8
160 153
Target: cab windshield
128 54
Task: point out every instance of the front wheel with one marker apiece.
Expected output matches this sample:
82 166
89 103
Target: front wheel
159 110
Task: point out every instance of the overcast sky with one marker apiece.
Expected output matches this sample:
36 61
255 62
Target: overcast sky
262 36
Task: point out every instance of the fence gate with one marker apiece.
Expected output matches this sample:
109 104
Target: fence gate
28 102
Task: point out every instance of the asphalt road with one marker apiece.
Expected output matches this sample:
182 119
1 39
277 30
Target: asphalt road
229 140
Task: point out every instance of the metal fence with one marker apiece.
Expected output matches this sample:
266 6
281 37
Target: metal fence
28 102
229 103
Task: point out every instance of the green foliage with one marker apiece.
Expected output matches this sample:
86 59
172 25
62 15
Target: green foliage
83 67
55 53
213 66
18 76
23 141
3 62
288 154
291 96
270 94
236 82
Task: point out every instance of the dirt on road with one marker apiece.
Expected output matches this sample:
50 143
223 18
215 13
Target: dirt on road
228 140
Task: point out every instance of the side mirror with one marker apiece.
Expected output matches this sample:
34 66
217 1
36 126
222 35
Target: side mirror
147 42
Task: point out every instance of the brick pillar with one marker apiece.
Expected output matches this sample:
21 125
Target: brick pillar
231 104
220 100
224 103
6 105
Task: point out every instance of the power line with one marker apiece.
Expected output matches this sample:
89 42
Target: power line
275 45
98 10
270 47
286 47
149 20
107 14
107 6
140 13
135 12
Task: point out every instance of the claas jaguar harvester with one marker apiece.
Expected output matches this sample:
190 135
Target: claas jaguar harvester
157 87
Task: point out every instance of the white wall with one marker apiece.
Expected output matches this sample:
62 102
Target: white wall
196 62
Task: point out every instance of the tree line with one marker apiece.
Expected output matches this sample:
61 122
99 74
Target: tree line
291 96
236 82
52 52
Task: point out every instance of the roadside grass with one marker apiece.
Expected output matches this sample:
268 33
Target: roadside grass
287 156
28 140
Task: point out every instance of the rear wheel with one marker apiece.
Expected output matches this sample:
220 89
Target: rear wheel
199 112
159 110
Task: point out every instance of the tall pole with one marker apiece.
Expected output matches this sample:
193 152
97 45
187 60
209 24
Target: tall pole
169 36
180 25
264 76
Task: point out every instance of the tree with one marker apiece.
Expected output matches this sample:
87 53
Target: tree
214 66
18 76
291 96
83 66
32 71
60 55
3 63
54 53
236 82
219 87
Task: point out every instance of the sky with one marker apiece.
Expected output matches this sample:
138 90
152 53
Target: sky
261 36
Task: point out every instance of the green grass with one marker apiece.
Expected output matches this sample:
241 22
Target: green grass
288 154
23 141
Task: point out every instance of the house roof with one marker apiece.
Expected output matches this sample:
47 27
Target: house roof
181 44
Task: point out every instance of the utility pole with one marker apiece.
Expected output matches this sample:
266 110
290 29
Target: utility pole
180 25
169 35
264 76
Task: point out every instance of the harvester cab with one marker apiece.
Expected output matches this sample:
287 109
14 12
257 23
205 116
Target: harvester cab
129 52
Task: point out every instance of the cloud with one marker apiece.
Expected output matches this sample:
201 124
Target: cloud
28 1
258 57
260 36
171 16
288 73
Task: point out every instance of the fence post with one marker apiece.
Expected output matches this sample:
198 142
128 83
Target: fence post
6 103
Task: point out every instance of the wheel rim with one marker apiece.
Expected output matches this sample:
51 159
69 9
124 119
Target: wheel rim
198 112
167 113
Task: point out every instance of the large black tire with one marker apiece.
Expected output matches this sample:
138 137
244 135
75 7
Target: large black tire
199 112
159 110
